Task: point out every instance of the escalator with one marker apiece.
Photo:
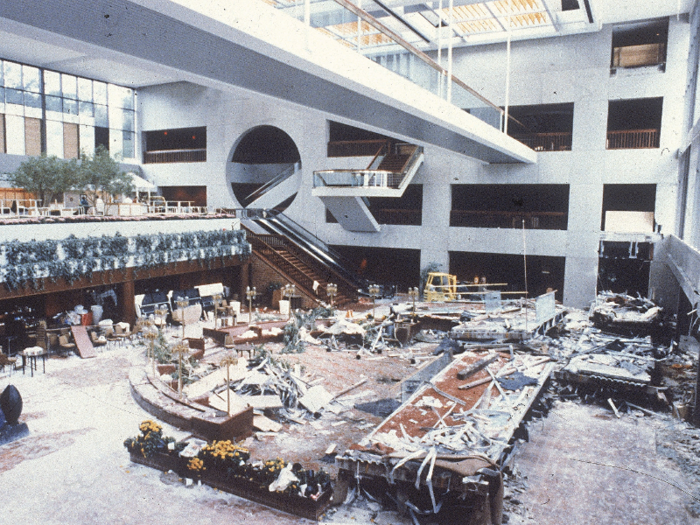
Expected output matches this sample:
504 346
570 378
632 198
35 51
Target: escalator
306 260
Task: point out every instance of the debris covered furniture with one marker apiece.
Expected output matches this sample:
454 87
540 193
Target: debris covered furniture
30 355
65 344
445 446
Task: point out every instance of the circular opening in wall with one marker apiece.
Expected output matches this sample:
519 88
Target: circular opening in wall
265 169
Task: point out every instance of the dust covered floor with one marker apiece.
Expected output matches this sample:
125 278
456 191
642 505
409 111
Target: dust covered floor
583 465
73 467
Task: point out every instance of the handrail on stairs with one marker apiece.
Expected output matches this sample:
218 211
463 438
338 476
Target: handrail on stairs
275 181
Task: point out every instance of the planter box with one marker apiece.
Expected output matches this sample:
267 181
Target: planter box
159 461
236 427
307 508
166 369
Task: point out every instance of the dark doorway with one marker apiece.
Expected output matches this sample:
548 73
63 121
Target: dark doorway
544 273
384 265
623 267
197 195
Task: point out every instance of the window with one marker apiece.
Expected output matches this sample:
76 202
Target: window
176 145
639 45
76 110
2 134
634 124
71 143
542 128
14 134
32 136
533 206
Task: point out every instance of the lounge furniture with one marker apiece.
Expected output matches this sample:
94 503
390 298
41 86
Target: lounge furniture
122 331
6 361
97 340
64 344
111 336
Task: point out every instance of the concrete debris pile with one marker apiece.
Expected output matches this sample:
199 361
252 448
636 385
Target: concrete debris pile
452 436
510 321
626 315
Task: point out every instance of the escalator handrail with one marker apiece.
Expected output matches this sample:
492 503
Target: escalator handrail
275 181
321 251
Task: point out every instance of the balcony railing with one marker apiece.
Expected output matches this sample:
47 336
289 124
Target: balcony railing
175 155
560 141
535 220
357 178
633 139
639 55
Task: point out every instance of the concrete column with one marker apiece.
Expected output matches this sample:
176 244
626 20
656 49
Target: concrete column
125 294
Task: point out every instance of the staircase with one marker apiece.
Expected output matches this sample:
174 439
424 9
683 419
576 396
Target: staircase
288 249
394 163
344 191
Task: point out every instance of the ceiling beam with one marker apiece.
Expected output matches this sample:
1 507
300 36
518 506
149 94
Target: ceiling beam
403 21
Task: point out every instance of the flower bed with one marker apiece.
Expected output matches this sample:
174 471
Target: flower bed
227 467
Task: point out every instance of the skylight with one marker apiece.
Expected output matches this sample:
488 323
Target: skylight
428 25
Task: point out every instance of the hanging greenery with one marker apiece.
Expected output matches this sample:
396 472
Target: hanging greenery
29 263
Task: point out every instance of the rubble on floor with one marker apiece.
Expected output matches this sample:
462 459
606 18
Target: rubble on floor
453 395
626 315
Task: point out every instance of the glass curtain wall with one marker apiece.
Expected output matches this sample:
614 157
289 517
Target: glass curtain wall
78 113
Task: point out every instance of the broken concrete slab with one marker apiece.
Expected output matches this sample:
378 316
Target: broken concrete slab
265 424
217 378
316 398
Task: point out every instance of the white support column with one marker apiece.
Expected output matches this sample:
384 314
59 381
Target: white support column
359 29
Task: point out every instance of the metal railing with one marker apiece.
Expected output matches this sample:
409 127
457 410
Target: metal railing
175 155
535 220
633 139
559 141
355 178
639 55
368 178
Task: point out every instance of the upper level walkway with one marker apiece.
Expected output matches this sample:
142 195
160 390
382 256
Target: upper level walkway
245 46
